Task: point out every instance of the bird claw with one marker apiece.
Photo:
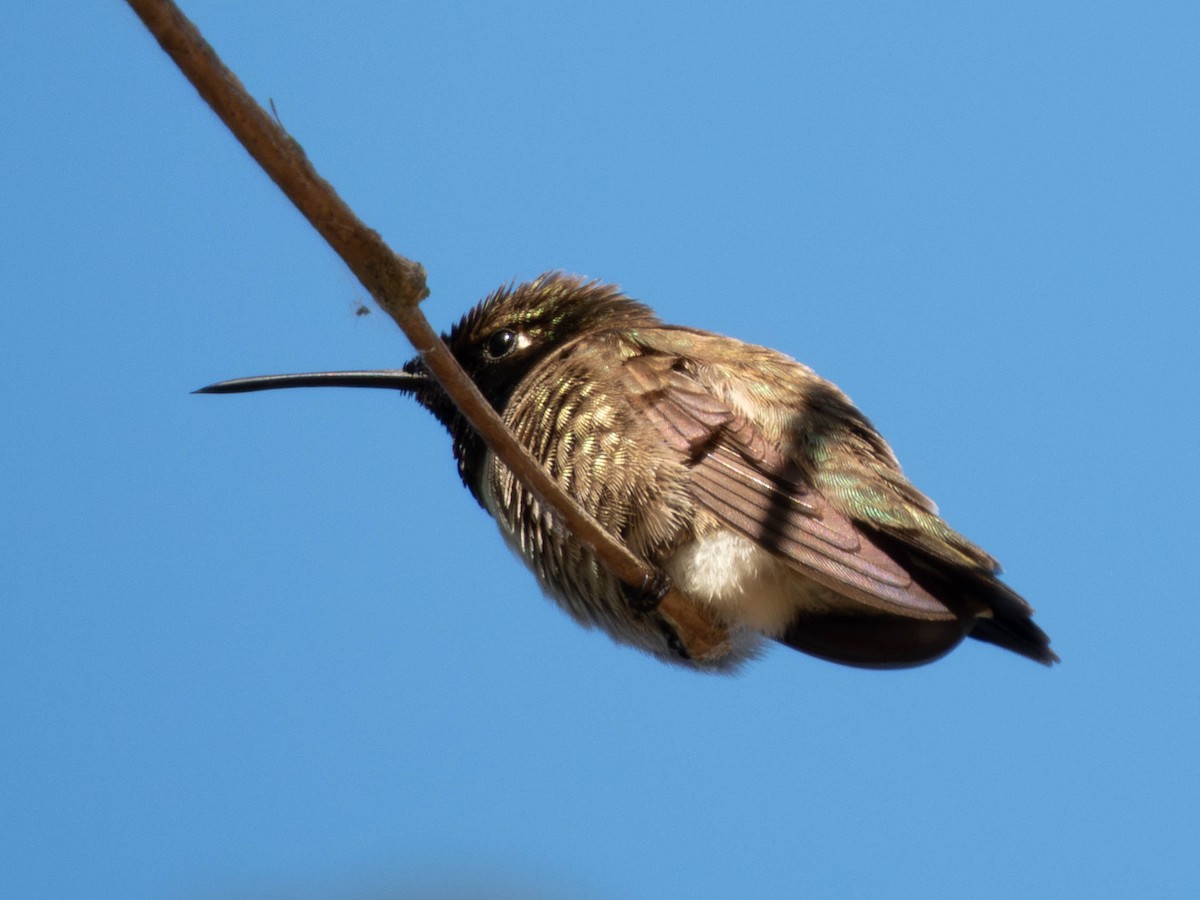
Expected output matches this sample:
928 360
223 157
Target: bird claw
646 597
674 641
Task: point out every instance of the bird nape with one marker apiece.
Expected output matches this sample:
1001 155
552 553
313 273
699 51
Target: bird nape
755 486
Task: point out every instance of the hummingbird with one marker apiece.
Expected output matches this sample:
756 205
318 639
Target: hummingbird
748 482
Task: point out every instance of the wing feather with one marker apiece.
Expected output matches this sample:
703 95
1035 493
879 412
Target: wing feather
745 481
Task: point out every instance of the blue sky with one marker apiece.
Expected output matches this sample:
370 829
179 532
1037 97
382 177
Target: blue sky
269 644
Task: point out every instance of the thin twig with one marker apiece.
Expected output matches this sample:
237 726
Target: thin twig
398 285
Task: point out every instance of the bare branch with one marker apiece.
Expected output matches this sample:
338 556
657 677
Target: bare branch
398 285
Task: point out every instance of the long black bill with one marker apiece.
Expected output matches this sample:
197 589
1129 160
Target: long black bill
395 379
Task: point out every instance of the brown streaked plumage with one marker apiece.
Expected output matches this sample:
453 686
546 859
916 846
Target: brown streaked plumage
752 483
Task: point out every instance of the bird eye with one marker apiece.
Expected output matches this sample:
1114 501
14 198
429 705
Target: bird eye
500 343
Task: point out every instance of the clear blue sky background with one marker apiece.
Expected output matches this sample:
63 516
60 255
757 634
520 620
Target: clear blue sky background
268 643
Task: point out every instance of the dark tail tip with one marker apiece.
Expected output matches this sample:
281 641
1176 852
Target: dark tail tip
1017 634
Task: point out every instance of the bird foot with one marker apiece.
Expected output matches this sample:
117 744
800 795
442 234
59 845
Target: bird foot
646 597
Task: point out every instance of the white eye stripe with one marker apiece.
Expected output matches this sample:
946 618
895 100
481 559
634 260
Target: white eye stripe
523 340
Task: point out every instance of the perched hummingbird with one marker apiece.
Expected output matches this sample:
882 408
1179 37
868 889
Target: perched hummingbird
755 486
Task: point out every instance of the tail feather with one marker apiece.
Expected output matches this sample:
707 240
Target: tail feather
1010 626
998 614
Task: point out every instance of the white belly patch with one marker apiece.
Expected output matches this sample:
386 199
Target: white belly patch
743 583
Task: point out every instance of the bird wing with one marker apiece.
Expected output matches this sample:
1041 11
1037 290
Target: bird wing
743 478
